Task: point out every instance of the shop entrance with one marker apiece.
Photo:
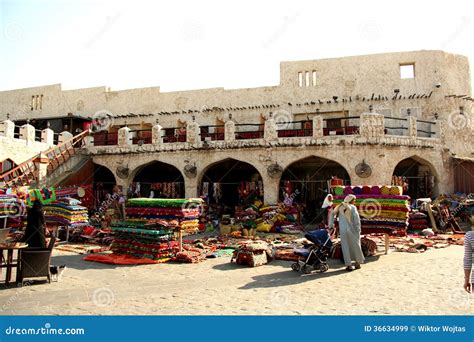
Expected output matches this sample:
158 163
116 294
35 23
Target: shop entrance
157 180
104 182
305 183
416 177
230 183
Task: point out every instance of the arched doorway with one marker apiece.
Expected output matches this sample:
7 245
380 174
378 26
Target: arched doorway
230 183
104 181
416 176
157 180
306 182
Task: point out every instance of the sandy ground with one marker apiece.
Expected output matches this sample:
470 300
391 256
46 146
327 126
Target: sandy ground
393 284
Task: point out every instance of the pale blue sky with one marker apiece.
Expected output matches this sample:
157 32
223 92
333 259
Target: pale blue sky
181 45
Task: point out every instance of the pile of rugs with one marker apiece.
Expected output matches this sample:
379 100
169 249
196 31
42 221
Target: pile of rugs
10 206
153 240
67 212
380 207
279 219
180 213
418 221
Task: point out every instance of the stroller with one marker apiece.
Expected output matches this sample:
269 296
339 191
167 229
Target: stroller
314 257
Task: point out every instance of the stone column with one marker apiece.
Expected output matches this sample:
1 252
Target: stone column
124 137
191 187
27 132
193 133
47 136
270 132
318 126
156 138
412 132
372 126
271 187
64 136
8 129
229 134
42 164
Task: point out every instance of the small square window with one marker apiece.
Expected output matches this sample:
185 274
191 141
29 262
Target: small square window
407 70
300 79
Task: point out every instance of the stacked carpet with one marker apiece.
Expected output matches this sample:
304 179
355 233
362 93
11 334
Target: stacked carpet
387 190
418 221
11 206
67 212
144 240
182 213
382 211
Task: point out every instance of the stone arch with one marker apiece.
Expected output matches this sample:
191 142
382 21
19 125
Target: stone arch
305 181
169 177
421 176
240 182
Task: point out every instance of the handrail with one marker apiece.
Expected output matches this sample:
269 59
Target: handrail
23 167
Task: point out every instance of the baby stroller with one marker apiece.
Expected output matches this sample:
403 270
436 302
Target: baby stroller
314 257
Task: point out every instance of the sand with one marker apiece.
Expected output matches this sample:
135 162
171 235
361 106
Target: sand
395 284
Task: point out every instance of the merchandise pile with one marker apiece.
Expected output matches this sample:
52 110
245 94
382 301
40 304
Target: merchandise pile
11 206
279 219
181 213
381 208
68 212
153 240
418 221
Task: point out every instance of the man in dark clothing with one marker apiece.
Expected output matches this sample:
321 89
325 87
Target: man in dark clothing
34 234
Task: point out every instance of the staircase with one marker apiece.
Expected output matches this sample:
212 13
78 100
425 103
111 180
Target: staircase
28 172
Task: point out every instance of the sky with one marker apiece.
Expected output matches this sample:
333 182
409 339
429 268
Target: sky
183 45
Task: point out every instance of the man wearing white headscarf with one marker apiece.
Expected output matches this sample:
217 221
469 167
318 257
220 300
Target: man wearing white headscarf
349 230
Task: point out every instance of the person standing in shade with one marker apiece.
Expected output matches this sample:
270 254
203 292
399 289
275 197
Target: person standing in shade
35 221
327 205
349 230
468 261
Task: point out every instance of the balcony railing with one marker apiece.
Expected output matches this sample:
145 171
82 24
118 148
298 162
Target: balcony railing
175 134
105 138
425 128
141 136
295 129
249 131
213 132
348 125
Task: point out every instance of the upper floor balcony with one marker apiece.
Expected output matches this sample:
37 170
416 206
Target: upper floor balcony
367 128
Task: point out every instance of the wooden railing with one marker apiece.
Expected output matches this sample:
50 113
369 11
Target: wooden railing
213 132
296 129
249 131
28 171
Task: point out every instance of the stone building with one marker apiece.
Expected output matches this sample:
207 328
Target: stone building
362 119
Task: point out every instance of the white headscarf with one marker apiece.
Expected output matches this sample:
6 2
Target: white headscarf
327 202
345 208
